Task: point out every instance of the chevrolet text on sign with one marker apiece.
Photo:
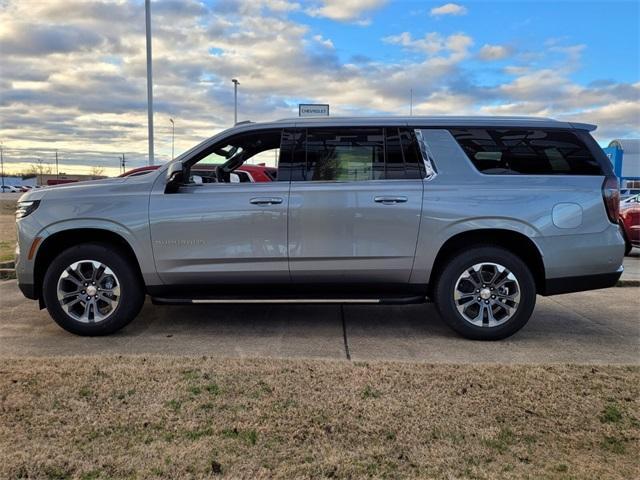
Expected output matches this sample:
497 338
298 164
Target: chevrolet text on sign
313 110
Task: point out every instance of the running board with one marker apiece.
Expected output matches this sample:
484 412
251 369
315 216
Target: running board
363 301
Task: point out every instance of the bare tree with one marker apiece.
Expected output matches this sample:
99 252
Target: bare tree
96 171
39 169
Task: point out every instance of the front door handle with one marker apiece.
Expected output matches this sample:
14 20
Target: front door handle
389 200
265 200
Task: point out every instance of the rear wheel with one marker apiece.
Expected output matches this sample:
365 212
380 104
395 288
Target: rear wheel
91 289
485 293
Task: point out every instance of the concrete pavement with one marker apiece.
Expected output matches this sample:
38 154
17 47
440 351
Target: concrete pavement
598 327
632 266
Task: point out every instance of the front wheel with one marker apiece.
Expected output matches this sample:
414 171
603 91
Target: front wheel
485 293
92 289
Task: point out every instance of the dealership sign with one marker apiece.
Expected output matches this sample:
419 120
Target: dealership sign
313 110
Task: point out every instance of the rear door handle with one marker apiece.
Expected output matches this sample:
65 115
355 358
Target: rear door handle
389 200
265 200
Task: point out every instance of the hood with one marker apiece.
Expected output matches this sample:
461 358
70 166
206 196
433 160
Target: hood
69 188
86 183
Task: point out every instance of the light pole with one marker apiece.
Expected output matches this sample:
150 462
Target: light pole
57 170
411 102
235 100
173 136
147 10
2 166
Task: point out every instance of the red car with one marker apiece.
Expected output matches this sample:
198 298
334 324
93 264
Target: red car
139 171
246 173
629 220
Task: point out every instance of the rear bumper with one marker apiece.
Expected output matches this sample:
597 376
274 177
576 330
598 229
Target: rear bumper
555 286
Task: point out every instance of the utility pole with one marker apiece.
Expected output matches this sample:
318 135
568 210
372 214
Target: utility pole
235 100
173 135
57 170
40 169
123 164
147 9
2 166
411 102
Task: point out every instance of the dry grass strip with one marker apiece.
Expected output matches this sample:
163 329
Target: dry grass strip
158 417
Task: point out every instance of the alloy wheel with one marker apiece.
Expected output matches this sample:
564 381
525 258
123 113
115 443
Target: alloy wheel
88 291
487 294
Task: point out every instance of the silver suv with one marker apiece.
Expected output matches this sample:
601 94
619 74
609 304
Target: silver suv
477 214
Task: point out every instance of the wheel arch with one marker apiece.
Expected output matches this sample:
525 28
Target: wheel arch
55 243
516 242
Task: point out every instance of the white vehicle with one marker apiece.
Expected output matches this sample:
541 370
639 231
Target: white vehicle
10 189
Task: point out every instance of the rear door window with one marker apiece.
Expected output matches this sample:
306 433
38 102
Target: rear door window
526 151
351 154
345 155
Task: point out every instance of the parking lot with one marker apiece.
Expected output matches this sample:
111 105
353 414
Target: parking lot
598 327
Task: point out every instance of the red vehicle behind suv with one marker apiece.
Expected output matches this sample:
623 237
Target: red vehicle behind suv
629 220
247 173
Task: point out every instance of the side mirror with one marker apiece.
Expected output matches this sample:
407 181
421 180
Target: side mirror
175 177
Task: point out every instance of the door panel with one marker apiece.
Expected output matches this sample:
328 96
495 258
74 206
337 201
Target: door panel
221 233
353 232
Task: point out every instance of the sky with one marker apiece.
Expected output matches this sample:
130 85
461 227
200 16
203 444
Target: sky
73 73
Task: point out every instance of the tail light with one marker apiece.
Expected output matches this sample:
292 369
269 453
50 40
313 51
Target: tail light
611 197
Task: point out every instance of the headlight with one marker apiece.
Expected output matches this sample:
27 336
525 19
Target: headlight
25 208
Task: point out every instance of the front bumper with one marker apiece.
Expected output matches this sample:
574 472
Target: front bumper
28 290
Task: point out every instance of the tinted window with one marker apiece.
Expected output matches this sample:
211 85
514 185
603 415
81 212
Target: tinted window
394 168
293 160
526 151
414 165
351 154
344 155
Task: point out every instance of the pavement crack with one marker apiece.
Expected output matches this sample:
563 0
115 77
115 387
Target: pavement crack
344 333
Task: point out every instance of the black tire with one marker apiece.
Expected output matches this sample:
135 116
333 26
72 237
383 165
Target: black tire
627 244
131 296
464 260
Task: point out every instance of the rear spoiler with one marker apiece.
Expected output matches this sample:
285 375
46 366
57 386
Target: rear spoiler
584 126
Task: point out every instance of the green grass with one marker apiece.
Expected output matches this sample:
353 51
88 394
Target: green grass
502 441
7 251
250 437
84 392
614 445
611 414
370 392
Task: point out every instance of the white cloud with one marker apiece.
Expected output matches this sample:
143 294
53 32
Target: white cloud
281 5
494 52
88 99
449 9
433 43
326 42
345 10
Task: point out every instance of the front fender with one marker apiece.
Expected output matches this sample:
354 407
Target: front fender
138 240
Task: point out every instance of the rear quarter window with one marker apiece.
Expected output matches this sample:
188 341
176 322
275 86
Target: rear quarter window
527 151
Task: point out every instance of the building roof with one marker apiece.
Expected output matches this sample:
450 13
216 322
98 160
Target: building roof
627 145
